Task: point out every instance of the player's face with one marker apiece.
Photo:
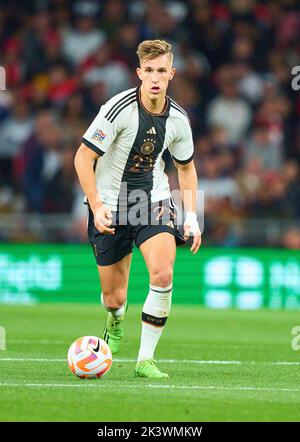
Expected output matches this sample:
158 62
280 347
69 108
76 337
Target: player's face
155 76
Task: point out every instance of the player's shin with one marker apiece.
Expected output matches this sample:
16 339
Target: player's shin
154 316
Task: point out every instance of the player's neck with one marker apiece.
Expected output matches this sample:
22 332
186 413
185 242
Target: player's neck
154 106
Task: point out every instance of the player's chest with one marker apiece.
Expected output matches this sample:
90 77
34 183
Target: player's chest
148 135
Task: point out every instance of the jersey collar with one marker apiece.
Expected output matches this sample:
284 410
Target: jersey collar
165 109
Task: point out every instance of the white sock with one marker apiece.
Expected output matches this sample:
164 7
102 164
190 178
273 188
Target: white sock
116 312
154 316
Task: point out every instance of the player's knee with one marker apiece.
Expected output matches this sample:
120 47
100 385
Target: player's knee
114 298
161 277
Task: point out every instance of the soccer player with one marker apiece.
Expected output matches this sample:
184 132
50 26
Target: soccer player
121 171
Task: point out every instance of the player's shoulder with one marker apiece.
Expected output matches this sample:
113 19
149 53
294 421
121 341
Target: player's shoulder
118 103
178 113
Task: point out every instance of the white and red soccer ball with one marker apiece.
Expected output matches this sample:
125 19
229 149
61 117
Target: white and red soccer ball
89 357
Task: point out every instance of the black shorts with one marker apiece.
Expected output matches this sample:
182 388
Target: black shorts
109 249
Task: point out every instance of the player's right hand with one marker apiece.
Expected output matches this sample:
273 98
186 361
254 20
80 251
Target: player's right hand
103 219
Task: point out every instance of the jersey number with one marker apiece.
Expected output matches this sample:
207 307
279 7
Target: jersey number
142 164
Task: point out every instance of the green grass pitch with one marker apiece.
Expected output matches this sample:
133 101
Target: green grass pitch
224 366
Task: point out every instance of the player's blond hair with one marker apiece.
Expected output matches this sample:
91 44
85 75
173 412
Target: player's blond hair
150 49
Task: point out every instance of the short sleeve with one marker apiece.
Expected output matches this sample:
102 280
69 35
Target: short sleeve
101 133
182 149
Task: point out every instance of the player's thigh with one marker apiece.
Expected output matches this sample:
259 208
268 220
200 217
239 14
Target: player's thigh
159 253
114 278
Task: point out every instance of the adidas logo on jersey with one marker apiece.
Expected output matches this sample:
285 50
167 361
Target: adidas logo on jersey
151 131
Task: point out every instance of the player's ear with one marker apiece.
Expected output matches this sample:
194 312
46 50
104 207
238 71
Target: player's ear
139 73
173 72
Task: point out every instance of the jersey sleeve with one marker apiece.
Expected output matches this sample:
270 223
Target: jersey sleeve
101 133
182 149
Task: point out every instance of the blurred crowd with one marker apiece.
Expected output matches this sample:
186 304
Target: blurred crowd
234 59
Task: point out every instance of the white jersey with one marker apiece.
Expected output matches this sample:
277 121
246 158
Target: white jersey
131 141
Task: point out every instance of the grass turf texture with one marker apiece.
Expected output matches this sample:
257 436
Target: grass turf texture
253 388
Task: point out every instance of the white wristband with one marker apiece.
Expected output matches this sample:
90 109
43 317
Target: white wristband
191 220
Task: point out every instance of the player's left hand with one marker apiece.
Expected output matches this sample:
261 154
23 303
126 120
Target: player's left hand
191 227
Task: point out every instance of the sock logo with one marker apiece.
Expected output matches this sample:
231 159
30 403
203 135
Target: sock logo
157 322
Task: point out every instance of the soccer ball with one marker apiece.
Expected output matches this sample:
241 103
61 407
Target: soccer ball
89 357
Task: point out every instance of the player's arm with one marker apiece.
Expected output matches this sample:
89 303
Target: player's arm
84 164
182 151
96 141
187 178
